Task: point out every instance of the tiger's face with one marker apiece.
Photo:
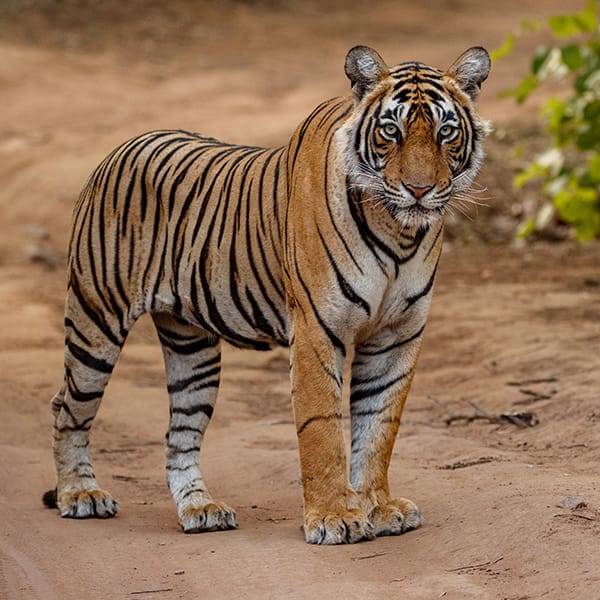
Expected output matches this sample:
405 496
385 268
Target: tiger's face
413 143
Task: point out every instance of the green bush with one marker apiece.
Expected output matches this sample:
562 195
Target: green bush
568 170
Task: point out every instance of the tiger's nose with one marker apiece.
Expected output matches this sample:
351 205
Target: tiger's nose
418 191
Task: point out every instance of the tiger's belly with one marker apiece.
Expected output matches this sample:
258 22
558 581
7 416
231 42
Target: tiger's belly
244 312
237 293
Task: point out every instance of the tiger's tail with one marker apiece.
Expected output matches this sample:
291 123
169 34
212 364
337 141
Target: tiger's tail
49 499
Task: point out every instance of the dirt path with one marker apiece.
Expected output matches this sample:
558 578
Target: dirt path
511 331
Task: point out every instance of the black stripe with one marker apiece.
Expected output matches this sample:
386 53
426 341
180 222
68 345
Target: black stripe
259 320
391 346
183 384
194 409
195 490
69 324
433 243
171 467
332 337
175 183
415 297
328 205
185 349
127 201
213 312
336 417
94 317
359 395
132 255
87 359
92 255
117 274
261 183
346 288
85 425
79 396
165 161
155 247
179 243
302 132
369 238
183 450
275 285
182 429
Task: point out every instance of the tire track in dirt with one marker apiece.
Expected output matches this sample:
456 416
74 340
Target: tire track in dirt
20 578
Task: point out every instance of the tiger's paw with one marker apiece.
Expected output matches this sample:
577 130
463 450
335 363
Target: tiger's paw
85 504
398 516
207 516
346 527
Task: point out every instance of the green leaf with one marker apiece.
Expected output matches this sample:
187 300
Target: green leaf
526 228
587 230
531 25
573 123
571 56
589 138
528 84
533 171
593 169
578 206
539 59
580 83
563 25
587 19
572 24
505 49
591 111
554 111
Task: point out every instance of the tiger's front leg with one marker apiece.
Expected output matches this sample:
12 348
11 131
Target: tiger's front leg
382 372
332 512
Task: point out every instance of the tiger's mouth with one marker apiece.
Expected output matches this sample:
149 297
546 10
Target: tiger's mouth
415 209
414 213
401 204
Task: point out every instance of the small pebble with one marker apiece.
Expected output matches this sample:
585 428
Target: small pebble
572 502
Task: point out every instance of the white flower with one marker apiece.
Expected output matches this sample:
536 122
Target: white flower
553 67
552 159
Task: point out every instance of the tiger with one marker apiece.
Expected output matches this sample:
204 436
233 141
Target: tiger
328 245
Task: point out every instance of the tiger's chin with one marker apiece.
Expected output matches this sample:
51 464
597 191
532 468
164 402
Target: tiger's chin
415 216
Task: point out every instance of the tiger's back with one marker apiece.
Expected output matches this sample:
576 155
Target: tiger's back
179 223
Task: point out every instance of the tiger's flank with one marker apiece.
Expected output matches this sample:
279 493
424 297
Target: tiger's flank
328 245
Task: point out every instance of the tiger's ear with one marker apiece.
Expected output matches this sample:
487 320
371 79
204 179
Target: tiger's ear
365 69
470 70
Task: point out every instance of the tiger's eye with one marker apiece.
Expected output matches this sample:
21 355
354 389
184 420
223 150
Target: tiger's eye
446 130
389 130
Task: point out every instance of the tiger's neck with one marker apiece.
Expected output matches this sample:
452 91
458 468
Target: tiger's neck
325 206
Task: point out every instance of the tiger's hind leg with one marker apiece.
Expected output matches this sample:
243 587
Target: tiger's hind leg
193 365
90 355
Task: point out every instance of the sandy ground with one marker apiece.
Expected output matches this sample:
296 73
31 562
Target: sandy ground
511 330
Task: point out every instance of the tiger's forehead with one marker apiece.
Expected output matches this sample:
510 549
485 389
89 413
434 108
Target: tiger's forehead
416 87
418 69
415 79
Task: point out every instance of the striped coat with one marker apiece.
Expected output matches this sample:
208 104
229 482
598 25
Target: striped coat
328 245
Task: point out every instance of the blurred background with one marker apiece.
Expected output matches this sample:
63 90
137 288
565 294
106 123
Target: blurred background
78 77
514 325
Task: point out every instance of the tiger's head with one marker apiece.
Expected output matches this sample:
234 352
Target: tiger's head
414 140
